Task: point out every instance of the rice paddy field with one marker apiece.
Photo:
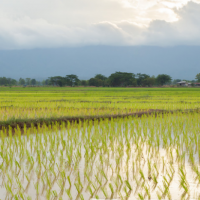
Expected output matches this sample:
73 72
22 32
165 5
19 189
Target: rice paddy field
99 155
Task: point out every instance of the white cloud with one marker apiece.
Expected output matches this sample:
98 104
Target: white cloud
53 23
185 31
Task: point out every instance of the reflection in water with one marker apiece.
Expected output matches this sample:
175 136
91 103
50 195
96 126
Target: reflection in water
133 158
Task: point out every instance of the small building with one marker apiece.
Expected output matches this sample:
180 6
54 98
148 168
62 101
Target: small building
182 83
197 84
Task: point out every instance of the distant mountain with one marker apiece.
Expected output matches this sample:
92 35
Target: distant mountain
180 62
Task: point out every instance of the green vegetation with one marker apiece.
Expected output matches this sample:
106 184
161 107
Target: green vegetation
22 104
117 79
153 156
148 157
198 77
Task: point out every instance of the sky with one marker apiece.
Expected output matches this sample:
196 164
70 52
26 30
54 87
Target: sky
43 38
29 24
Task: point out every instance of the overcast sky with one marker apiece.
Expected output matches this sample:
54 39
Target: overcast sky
56 23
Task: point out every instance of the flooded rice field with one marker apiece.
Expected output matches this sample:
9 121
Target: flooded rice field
154 157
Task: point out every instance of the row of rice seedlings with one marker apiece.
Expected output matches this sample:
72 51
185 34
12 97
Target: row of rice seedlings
20 106
13 114
88 99
127 158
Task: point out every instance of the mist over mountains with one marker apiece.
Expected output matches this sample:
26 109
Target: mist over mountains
179 62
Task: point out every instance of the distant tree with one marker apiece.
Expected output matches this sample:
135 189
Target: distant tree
102 80
21 81
3 81
83 82
43 82
101 77
198 77
122 79
141 78
7 81
94 82
57 81
72 80
46 82
33 82
28 81
38 83
162 79
150 81
13 82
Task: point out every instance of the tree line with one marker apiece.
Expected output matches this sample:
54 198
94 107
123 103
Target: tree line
117 79
9 81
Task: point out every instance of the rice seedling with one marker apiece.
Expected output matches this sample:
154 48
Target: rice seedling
132 157
69 193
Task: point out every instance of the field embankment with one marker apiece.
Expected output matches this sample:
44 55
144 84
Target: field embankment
21 123
33 106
